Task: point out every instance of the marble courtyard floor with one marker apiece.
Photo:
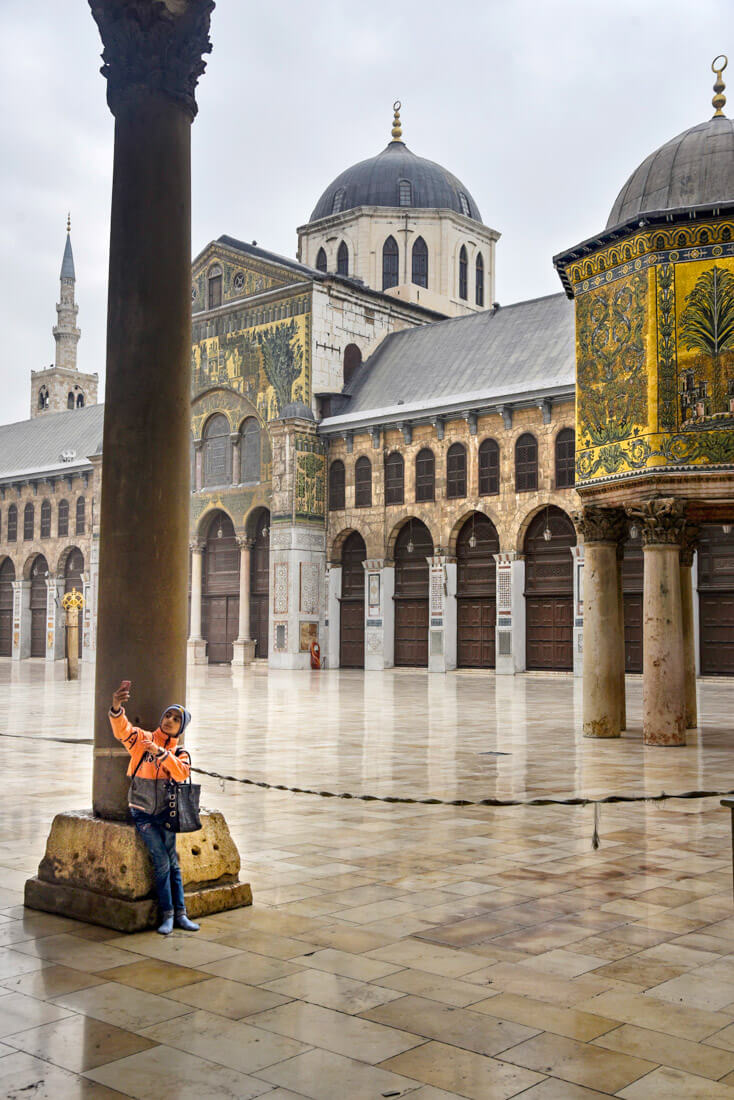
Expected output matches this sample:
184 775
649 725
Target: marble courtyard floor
392 949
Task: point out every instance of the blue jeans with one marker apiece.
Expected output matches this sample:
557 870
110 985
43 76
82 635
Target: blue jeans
161 845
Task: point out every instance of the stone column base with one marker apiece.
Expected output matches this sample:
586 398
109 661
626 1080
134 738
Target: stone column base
196 648
99 871
243 652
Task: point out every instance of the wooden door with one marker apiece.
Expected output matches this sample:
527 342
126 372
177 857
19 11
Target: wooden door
475 591
412 577
716 601
39 599
221 590
260 586
73 579
7 576
549 591
632 592
351 607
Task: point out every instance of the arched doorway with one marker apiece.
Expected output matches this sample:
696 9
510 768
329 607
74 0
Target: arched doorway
351 608
7 576
260 585
549 591
220 603
475 592
413 546
716 600
39 599
73 579
633 569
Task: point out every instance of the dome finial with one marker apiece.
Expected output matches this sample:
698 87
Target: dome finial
719 98
397 133
68 222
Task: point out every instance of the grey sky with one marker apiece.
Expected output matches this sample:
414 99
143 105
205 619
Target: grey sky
543 108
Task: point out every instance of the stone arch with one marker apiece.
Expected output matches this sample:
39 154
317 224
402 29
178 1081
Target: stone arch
252 518
522 530
208 516
401 523
334 556
29 562
463 517
63 557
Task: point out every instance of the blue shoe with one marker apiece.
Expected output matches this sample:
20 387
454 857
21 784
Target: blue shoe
166 926
182 921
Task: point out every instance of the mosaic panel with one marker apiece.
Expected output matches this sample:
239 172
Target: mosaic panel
309 588
280 588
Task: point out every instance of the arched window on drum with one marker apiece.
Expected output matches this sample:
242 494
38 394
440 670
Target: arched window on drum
216 451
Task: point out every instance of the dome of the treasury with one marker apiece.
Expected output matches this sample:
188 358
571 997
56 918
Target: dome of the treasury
382 180
696 168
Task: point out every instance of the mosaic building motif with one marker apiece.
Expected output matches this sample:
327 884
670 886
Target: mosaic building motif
310 478
655 352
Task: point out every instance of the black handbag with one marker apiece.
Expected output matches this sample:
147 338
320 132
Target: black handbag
182 806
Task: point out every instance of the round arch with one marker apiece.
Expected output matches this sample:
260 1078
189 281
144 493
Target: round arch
398 526
208 516
413 546
63 558
464 516
37 574
7 577
549 537
220 590
477 541
337 543
351 603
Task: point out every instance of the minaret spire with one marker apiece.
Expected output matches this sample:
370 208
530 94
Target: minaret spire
66 334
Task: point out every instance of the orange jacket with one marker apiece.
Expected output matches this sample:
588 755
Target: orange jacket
174 763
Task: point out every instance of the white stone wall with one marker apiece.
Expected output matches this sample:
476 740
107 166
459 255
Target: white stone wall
59 383
365 230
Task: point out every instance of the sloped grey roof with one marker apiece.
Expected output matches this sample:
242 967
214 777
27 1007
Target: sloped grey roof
376 182
523 348
67 264
36 446
271 257
696 168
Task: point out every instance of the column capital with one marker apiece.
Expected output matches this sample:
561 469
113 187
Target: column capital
662 521
689 543
196 546
600 524
244 543
153 46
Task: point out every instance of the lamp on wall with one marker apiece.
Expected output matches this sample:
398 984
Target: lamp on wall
726 528
265 532
410 547
547 534
634 531
472 536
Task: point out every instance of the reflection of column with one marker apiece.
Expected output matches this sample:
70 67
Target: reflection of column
21 620
379 610
510 629
196 644
602 681
663 675
577 558
243 649
687 551
333 614
620 635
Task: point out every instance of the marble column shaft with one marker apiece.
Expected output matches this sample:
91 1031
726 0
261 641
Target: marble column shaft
689 641
197 559
244 624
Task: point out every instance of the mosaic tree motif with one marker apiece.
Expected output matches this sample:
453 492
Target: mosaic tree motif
282 360
707 325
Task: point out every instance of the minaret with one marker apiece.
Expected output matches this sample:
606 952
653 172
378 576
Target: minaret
62 387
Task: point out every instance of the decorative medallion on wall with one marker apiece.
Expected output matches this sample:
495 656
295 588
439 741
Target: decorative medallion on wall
280 588
373 590
238 281
309 588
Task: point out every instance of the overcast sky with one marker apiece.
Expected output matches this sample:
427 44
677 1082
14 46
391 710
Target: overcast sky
542 108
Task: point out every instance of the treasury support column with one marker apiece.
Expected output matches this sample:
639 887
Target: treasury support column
197 645
96 867
687 551
663 672
243 646
601 529
620 635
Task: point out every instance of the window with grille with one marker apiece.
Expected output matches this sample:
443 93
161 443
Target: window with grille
342 259
12 523
465 208
425 475
456 471
216 451
63 519
215 287
390 263
394 478
336 486
81 521
70 401
46 519
405 193
29 520
363 482
250 451
463 274
479 296
489 468
526 463
420 262
337 203
321 260
565 459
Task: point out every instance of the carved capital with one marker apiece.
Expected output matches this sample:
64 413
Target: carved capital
661 521
244 543
601 524
689 543
196 546
153 46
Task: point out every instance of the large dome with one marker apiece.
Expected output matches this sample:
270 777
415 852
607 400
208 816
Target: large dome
694 169
377 182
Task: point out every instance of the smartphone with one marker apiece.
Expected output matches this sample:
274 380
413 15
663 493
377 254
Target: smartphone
125 685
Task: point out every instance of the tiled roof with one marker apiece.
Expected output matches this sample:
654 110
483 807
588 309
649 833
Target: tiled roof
37 446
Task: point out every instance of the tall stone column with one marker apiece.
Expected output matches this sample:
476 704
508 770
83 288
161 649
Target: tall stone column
663 674
577 557
197 645
96 867
687 551
620 637
510 628
602 682
243 646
